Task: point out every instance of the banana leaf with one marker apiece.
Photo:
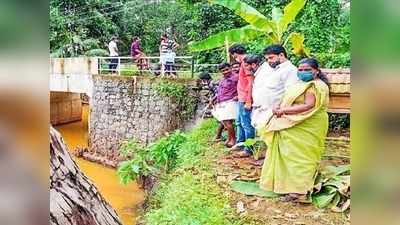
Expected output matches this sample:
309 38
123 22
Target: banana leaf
251 188
331 171
297 41
325 197
248 13
290 12
243 34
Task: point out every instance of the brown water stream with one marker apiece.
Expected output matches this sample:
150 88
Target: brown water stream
123 198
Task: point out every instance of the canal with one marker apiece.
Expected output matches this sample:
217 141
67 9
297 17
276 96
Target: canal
123 198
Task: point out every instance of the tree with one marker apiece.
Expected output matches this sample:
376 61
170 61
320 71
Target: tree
272 31
74 200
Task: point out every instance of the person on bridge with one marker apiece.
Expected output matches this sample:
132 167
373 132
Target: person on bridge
295 135
113 53
225 109
167 54
137 54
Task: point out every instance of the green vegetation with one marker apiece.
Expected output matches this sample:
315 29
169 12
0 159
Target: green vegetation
272 31
144 161
187 193
84 27
339 122
180 93
332 188
258 146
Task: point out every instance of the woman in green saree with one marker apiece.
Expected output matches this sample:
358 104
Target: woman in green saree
295 135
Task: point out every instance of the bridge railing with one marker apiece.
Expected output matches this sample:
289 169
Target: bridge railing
184 66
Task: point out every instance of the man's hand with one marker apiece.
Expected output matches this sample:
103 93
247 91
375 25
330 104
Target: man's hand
277 111
247 105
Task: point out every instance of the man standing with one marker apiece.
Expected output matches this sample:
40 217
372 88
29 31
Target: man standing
113 50
270 82
226 100
243 121
137 54
167 54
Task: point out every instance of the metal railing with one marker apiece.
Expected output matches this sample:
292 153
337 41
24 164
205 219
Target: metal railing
183 66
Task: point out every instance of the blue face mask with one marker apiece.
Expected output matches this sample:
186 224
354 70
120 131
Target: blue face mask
305 75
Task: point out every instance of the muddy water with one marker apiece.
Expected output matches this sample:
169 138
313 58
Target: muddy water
123 198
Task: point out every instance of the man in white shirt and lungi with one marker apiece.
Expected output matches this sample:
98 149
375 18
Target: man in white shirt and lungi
271 80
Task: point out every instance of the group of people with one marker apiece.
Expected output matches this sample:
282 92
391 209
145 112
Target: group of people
285 105
167 55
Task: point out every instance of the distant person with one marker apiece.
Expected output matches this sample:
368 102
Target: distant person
137 54
244 88
225 109
113 52
167 54
296 134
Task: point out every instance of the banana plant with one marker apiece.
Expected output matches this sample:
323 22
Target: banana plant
272 31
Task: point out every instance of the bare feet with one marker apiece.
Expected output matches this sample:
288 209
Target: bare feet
257 162
229 144
217 139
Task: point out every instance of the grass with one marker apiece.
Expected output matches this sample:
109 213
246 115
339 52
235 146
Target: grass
189 194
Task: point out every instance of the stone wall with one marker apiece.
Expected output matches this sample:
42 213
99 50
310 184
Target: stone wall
129 107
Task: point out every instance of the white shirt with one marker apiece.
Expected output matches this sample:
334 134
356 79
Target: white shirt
112 48
270 83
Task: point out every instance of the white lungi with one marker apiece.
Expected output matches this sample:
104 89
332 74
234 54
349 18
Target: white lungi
260 117
225 110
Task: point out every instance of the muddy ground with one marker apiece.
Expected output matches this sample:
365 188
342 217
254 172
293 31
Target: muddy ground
272 211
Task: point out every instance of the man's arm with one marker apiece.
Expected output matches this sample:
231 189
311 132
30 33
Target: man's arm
249 99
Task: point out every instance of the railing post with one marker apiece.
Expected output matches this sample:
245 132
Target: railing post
119 66
192 67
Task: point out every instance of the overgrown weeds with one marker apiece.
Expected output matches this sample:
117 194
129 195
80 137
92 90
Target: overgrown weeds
187 192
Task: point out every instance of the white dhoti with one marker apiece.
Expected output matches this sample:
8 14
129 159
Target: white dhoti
225 110
260 117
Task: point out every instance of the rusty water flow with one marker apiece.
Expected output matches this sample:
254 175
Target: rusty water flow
123 198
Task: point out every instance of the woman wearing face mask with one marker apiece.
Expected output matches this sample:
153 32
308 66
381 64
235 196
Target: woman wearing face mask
295 135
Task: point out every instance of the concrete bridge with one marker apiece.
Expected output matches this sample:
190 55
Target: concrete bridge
72 74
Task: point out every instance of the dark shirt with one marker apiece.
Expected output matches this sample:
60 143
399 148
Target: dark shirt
227 88
135 48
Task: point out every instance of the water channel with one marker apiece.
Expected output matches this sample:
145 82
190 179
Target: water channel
123 198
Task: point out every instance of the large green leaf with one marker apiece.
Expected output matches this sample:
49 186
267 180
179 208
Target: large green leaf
325 197
251 188
243 34
277 15
331 171
248 13
290 12
297 41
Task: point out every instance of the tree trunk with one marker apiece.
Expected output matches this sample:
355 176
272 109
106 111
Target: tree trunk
74 200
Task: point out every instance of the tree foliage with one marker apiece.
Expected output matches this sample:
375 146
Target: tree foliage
84 27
